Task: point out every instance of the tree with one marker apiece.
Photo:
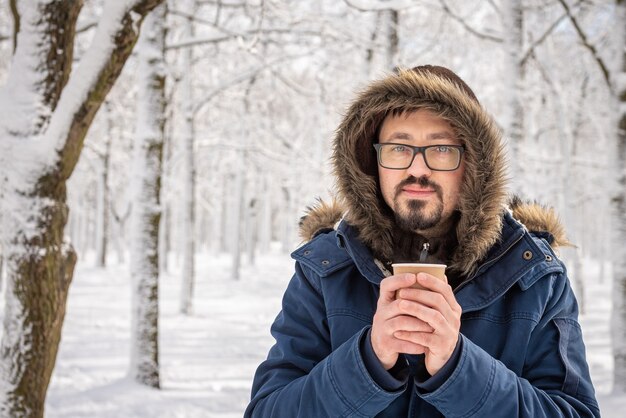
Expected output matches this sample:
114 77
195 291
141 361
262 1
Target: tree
149 136
514 22
189 175
619 283
47 111
103 195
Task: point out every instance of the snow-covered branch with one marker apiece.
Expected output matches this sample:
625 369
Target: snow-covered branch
529 52
112 44
240 79
469 28
377 5
587 44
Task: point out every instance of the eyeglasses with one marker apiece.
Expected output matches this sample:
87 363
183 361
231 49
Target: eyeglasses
436 157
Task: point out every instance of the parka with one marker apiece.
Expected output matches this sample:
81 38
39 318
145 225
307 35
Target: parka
520 351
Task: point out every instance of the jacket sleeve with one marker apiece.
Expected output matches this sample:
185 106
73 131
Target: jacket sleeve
302 376
555 381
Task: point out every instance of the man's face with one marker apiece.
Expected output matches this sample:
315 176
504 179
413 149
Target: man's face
421 198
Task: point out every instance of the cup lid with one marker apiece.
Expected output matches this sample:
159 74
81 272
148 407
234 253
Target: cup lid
418 265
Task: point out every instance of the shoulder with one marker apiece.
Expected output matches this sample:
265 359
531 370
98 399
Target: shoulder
323 255
543 266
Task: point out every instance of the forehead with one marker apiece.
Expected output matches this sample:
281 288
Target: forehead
419 120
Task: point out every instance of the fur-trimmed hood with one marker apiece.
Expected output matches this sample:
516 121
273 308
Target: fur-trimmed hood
483 195
324 216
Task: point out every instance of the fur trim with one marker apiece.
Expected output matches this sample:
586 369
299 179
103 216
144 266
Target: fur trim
540 218
483 197
319 217
534 216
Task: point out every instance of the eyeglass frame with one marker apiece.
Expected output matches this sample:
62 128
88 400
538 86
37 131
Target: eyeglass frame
419 150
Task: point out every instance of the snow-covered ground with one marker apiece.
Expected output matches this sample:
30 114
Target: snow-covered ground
208 359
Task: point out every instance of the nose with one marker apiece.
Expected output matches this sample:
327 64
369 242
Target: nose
418 167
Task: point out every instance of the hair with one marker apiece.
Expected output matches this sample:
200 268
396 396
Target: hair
447 74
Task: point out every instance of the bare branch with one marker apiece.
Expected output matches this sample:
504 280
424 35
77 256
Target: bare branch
242 78
531 49
495 7
221 3
398 5
545 35
196 19
293 85
470 29
16 22
587 44
202 41
234 35
87 27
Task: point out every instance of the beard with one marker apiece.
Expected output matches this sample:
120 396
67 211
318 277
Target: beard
415 217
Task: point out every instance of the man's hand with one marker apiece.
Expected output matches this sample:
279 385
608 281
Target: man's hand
391 318
436 306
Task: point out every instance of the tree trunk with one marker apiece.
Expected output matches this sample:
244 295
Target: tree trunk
265 223
391 52
144 266
237 215
189 178
619 287
514 74
120 220
45 133
252 229
166 215
383 57
286 217
102 226
225 242
39 272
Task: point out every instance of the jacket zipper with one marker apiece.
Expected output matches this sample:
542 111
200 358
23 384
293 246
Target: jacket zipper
424 253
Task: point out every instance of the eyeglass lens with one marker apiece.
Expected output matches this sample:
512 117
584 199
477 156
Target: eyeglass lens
437 157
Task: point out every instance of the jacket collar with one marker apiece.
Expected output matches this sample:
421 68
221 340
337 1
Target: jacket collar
348 238
517 258
503 266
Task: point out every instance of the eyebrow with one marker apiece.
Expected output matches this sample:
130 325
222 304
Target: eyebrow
432 136
441 135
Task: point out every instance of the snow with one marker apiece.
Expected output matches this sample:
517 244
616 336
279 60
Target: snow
208 359
84 77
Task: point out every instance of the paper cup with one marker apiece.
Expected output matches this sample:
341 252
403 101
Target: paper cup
437 270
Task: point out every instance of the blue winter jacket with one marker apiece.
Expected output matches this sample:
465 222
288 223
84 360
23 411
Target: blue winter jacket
520 352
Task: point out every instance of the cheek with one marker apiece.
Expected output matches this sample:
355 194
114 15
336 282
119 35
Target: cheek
387 185
456 183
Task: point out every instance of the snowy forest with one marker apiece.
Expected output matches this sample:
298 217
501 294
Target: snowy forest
156 156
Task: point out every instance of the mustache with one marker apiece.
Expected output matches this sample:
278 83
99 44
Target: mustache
423 181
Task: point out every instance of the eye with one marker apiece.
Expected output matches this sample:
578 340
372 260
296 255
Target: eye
443 149
399 148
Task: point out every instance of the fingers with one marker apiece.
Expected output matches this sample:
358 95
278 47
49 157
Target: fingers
432 317
436 285
436 306
407 347
435 344
391 284
408 323
431 299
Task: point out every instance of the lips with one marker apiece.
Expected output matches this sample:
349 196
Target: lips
414 188
418 192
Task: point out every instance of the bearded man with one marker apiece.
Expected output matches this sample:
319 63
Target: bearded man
421 175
